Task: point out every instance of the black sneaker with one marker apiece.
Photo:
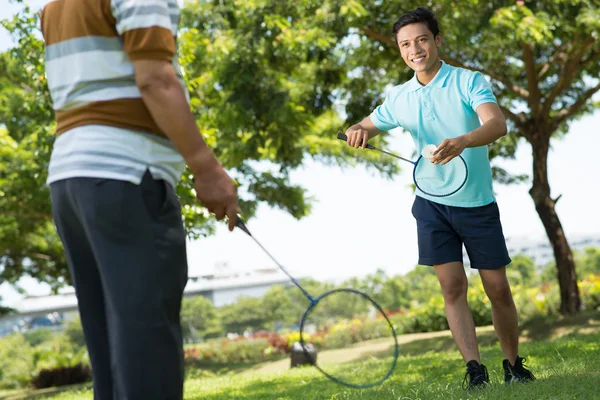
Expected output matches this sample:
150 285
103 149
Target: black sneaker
516 373
477 375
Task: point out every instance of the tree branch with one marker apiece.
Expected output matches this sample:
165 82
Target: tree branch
565 113
559 53
591 59
573 64
532 82
378 36
518 120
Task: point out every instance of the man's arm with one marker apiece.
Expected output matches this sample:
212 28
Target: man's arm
493 128
165 98
359 134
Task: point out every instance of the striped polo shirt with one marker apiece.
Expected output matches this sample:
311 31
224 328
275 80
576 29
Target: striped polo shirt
104 129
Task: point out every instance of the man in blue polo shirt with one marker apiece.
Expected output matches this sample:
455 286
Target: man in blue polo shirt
443 105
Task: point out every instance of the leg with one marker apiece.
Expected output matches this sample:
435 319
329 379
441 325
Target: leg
88 288
138 238
482 234
453 282
504 311
440 246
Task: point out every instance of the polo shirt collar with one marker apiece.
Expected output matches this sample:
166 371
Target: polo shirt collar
438 80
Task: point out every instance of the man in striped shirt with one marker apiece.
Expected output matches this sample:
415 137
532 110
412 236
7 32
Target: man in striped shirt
124 134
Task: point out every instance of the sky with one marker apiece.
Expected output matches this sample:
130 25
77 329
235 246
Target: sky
361 221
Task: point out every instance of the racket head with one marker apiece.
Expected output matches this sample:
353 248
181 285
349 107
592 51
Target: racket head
440 180
353 375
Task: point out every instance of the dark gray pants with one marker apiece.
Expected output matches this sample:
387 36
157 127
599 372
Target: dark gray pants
126 250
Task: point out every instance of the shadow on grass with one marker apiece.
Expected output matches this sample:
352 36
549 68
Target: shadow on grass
550 328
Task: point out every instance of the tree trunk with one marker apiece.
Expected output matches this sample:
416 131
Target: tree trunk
570 301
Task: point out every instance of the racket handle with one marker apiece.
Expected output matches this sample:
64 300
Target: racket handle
242 225
343 137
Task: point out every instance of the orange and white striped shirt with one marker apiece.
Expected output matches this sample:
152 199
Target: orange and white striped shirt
104 128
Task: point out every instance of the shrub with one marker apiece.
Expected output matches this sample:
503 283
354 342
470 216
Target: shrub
62 376
590 293
16 362
241 350
59 353
74 332
39 336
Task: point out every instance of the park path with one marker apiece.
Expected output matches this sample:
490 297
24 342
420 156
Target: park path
353 353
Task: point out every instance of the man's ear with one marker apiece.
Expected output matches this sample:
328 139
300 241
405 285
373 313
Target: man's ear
438 40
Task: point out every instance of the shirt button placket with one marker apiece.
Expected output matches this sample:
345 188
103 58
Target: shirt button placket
427 104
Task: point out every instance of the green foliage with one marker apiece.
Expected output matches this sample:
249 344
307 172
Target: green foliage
59 353
522 271
74 333
200 319
233 351
39 336
590 297
16 362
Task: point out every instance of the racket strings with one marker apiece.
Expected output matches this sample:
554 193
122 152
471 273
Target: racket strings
440 180
354 339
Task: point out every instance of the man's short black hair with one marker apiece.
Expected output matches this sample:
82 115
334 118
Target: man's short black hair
419 15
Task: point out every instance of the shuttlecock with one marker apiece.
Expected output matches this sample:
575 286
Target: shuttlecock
428 150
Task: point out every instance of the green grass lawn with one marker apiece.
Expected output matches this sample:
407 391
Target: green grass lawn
563 353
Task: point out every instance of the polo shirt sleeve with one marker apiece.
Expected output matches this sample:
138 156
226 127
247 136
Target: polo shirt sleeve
146 28
480 91
383 116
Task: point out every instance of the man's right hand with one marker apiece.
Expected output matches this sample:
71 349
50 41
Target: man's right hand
357 137
218 193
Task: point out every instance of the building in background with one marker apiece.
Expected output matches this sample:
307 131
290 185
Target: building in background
221 287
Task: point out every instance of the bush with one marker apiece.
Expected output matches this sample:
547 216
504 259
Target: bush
16 362
74 332
590 293
62 376
39 336
241 350
57 354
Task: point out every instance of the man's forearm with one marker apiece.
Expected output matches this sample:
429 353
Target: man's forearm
368 126
492 130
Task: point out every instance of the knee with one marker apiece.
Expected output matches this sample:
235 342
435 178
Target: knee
454 290
499 294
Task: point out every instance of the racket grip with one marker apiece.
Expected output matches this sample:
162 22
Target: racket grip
242 225
343 137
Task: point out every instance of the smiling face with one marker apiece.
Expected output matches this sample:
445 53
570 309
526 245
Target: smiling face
419 48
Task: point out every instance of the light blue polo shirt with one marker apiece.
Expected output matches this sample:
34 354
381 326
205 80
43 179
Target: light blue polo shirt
442 109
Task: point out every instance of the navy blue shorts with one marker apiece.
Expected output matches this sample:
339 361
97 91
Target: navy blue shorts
442 230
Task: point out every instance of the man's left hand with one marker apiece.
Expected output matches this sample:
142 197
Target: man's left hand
449 149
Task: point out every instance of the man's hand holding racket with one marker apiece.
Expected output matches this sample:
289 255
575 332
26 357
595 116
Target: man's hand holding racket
215 189
357 137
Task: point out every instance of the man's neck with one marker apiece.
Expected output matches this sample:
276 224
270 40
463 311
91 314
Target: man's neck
427 76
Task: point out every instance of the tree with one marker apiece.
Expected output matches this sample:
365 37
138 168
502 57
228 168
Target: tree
261 120
200 318
246 314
